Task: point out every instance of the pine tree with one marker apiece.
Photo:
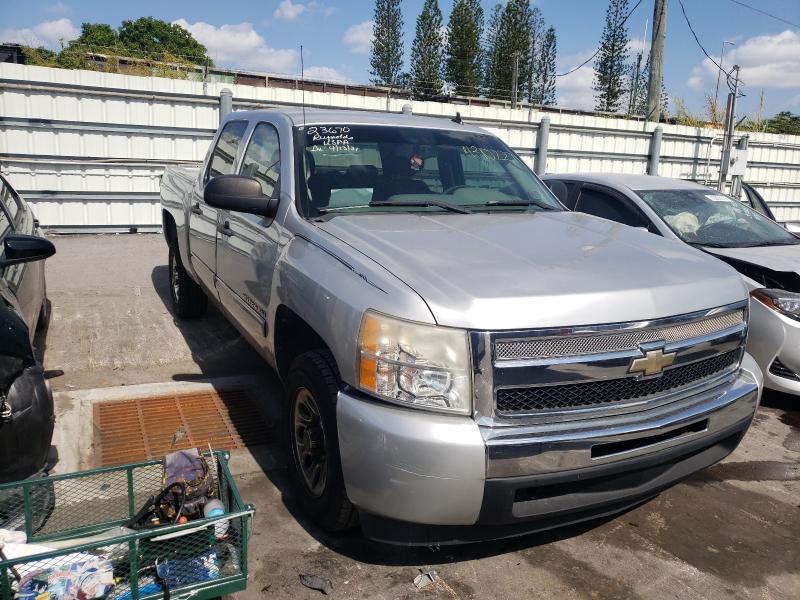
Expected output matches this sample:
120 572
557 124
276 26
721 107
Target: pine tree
610 65
426 53
490 57
387 43
509 36
637 90
537 38
463 62
543 88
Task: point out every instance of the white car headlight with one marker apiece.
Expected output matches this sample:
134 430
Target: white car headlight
424 366
786 303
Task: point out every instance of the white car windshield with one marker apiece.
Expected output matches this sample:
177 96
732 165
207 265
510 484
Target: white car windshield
368 168
709 218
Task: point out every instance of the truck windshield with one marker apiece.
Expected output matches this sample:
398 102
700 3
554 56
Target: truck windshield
367 168
708 218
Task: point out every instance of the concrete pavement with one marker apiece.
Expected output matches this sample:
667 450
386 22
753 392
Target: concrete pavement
732 531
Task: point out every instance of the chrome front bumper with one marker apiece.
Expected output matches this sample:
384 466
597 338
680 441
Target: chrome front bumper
403 466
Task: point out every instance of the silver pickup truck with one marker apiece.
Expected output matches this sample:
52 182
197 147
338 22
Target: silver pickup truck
463 359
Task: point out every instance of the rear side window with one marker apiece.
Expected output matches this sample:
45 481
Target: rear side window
224 154
262 160
600 204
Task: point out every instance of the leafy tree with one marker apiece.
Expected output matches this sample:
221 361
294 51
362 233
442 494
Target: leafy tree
610 65
96 36
41 56
543 87
148 36
463 53
510 42
427 54
784 122
387 43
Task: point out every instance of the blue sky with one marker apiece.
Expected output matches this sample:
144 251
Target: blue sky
266 35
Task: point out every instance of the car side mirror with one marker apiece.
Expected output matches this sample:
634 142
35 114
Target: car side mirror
21 248
239 194
559 189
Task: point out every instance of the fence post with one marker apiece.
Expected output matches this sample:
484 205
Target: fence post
225 103
542 136
655 151
736 180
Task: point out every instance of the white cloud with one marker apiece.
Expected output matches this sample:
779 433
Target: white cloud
59 8
766 61
46 33
359 37
636 45
241 46
575 90
288 10
326 74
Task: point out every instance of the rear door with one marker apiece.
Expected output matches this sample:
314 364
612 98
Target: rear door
204 219
25 281
248 244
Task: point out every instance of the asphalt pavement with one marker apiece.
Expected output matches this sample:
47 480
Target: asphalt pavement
732 531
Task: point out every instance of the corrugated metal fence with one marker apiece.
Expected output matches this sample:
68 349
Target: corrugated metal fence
87 148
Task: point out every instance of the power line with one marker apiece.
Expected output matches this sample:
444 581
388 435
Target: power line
765 13
596 52
697 39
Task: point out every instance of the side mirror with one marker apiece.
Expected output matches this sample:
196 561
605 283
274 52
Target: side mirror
239 194
21 248
559 189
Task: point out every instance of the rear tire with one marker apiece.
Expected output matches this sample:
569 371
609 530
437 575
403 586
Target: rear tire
312 386
189 301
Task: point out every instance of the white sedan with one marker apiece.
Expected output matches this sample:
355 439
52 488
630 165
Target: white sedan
766 254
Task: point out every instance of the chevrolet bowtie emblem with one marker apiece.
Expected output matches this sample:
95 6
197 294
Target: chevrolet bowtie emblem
652 363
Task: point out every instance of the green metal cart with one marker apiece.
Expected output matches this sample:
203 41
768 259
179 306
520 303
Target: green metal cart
201 559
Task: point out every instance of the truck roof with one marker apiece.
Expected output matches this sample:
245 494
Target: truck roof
320 116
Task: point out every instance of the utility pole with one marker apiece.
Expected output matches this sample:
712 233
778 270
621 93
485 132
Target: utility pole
656 60
719 72
727 139
514 80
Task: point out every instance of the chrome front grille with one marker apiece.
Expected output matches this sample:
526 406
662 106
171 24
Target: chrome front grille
579 345
581 395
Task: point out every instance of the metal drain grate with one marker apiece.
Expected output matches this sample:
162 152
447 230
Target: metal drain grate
145 428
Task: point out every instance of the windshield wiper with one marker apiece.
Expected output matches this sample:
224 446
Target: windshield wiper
709 244
518 203
438 203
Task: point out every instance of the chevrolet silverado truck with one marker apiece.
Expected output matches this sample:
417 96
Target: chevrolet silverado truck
463 358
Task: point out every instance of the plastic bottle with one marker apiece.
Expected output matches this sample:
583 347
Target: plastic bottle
215 508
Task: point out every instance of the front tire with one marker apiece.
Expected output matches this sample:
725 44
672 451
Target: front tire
189 301
312 386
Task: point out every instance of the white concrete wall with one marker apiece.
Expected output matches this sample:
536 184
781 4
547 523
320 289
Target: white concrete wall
87 148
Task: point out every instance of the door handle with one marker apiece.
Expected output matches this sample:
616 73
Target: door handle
225 229
196 209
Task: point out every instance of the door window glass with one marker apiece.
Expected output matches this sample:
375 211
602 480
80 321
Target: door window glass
9 200
262 160
224 154
603 205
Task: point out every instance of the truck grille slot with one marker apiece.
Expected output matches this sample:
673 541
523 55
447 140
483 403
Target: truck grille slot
578 345
596 393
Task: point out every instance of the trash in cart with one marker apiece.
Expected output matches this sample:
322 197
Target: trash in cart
142 530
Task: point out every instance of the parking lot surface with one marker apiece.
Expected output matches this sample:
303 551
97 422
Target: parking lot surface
732 531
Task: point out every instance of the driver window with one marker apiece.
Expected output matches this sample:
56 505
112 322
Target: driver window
224 155
262 160
599 204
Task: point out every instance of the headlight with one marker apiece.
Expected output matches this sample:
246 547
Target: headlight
786 303
419 365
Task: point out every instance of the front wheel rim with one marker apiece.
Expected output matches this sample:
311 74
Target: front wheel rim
174 280
308 442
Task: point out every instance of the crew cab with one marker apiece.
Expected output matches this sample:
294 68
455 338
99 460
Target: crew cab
463 359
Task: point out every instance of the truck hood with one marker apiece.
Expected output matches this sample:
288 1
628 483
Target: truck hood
546 269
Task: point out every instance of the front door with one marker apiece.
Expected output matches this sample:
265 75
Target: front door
248 245
203 219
